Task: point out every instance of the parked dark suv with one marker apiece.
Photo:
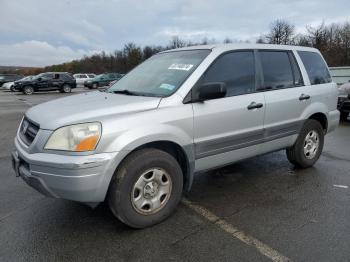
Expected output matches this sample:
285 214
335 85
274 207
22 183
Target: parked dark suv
4 78
64 82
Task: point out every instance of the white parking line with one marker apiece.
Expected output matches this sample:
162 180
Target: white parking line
236 233
341 186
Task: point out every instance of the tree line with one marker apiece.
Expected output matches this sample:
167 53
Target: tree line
332 40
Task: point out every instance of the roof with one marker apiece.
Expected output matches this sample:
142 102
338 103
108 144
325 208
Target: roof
228 47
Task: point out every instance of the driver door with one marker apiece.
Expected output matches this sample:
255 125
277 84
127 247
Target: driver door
43 84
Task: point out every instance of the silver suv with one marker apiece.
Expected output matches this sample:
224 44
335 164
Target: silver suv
138 144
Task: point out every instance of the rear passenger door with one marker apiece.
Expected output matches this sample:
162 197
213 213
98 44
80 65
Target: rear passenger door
321 88
230 128
286 97
56 81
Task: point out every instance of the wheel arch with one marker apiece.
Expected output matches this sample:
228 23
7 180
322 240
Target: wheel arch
179 153
183 154
321 118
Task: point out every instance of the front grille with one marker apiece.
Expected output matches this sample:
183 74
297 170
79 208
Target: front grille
28 131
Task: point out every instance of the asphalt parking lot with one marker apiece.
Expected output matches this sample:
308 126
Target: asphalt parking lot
260 209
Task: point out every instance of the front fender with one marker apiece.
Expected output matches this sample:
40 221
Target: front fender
137 137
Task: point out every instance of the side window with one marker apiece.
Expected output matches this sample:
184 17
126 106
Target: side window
47 76
56 76
298 79
83 76
91 76
277 69
236 70
315 67
65 77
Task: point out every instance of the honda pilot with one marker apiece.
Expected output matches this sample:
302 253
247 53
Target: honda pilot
138 144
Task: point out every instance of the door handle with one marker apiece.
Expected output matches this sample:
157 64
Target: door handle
304 97
254 105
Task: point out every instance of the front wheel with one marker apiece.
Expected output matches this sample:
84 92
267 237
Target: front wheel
146 188
308 147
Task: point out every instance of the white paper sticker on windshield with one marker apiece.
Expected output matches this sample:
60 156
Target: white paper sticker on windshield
184 67
167 86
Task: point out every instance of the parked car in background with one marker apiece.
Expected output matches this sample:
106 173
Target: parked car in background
5 78
102 80
138 145
344 100
8 86
11 85
81 78
63 82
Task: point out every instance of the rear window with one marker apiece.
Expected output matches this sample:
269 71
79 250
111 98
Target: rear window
316 68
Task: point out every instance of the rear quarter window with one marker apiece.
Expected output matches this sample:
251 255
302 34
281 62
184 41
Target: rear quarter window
316 68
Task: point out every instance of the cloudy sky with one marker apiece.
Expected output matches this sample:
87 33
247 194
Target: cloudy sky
44 32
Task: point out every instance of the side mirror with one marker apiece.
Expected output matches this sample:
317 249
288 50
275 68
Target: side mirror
39 79
212 90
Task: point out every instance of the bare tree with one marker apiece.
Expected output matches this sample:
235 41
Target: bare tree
176 42
281 33
227 40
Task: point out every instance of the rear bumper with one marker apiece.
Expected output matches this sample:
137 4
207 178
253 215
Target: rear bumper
333 120
344 104
79 178
88 84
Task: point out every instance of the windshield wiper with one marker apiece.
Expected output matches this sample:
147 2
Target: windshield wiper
125 92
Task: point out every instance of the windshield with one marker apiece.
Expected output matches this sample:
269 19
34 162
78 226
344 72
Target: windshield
26 78
99 76
160 75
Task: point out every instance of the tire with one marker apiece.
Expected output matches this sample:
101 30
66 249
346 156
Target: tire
344 116
145 165
307 157
94 86
12 89
66 88
28 90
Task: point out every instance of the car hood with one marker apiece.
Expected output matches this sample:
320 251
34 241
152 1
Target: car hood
88 107
23 82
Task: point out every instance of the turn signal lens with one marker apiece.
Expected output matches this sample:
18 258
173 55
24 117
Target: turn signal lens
88 144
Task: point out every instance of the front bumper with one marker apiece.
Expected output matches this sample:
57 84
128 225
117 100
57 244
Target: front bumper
79 178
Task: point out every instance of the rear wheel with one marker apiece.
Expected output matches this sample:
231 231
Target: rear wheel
28 90
146 188
308 147
94 85
66 88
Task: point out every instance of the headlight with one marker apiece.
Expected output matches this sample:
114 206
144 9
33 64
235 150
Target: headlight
79 138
